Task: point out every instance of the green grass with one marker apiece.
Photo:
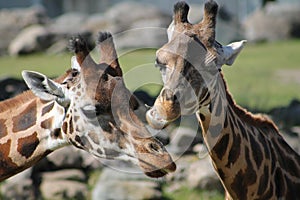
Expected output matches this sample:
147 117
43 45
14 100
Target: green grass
264 75
191 194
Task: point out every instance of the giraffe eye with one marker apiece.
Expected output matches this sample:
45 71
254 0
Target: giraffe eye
75 72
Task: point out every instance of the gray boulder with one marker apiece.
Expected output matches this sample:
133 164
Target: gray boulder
276 21
70 157
10 87
115 185
183 139
64 189
201 175
287 116
31 39
135 25
12 21
68 24
18 187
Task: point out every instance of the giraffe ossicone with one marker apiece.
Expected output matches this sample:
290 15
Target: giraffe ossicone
89 107
250 156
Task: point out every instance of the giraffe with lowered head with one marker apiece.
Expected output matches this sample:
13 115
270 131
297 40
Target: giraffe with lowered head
88 107
251 158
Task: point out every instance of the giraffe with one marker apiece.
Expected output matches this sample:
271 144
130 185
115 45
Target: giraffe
88 107
249 155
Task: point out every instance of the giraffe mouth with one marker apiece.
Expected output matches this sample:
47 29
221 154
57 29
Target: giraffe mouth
161 172
155 119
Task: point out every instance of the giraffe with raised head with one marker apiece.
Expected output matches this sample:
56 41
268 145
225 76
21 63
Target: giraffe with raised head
88 107
251 158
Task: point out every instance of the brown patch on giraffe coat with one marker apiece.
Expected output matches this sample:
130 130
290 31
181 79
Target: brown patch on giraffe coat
47 123
256 151
26 119
94 137
279 183
249 173
65 127
47 108
220 148
3 128
7 165
269 193
76 118
234 152
27 145
57 133
263 182
71 129
239 186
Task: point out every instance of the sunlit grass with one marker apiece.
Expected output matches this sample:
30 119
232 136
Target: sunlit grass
264 75
191 194
261 77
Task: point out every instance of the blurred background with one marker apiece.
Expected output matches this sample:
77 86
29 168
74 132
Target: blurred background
265 78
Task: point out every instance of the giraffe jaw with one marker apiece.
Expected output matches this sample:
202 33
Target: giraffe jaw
149 169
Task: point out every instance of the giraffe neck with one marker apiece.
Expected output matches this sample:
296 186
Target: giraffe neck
249 155
29 130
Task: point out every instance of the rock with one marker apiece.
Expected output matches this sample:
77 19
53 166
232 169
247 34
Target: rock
287 116
183 139
31 39
66 174
292 137
63 189
10 87
145 37
126 13
70 157
98 22
12 21
276 21
68 24
19 186
138 29
201 175
119 185
58 47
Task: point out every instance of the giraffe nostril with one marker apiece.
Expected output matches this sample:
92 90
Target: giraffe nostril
154 147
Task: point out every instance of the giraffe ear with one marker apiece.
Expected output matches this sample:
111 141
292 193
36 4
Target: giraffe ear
170 30
45 88
228 54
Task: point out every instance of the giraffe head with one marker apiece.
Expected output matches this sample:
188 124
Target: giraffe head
188 63
99 109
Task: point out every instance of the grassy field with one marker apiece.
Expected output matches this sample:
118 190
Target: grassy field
264 75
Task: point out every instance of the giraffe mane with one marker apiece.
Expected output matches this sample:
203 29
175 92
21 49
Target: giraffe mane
16 101
257 120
